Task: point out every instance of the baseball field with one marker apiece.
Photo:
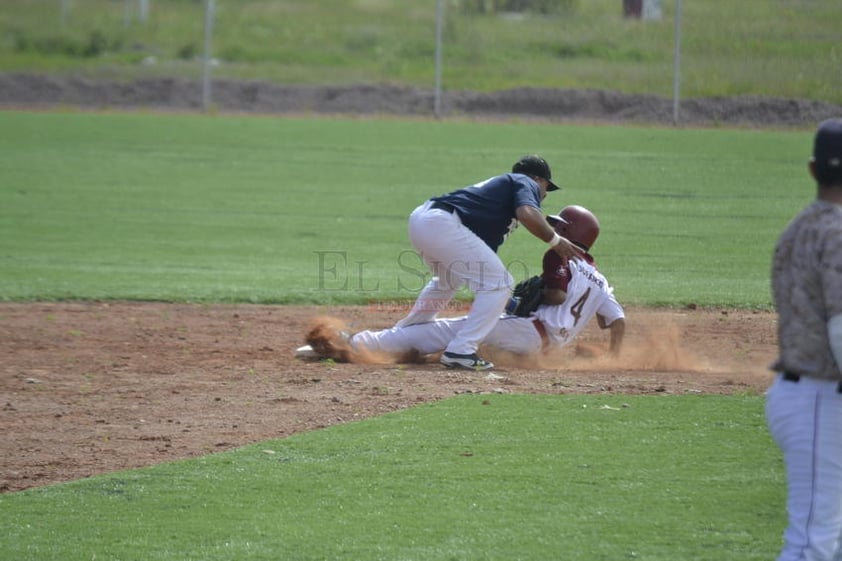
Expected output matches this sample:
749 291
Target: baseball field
158 272
160 265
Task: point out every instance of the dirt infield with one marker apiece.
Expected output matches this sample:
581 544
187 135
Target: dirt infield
92 387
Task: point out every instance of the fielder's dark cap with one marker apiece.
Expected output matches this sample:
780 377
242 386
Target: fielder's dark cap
827 150
537 166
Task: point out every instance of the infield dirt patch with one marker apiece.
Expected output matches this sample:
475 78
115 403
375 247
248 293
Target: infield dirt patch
92 387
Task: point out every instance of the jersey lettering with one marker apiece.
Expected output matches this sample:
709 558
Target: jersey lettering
578 306
590 276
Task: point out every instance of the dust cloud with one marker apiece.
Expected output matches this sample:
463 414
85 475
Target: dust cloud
654 349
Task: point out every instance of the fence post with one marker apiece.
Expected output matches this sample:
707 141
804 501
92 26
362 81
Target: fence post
676 67
439 25
206 80
143 10
65 7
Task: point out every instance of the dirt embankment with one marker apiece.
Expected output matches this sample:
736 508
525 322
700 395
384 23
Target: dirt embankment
180 94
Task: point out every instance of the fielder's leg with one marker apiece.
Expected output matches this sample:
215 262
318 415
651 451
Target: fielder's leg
434 298
491 284
441 239
805 419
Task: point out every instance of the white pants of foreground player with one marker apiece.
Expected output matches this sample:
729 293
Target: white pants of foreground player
457 257
510 333
805 419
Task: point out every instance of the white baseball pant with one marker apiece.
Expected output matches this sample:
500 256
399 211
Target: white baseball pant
457 257
510 333
805 419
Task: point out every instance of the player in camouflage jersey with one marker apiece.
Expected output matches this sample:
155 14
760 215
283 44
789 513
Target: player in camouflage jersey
804 404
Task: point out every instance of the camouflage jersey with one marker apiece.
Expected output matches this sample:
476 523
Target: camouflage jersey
807 290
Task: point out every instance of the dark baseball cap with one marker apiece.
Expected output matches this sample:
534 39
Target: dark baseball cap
537 166
827 148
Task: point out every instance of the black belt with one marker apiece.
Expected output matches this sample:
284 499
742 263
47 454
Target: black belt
443 206
793 377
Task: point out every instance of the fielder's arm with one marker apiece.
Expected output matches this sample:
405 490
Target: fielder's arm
534 221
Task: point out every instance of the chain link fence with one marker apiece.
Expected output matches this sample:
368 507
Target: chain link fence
541 58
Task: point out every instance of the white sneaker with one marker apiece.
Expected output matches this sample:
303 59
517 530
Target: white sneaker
306 352
468 362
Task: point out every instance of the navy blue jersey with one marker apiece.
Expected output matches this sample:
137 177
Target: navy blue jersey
488 208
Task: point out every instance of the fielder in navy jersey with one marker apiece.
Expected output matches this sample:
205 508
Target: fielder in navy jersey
457 236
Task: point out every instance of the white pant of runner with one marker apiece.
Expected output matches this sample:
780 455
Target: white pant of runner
510 333
805 419
457 257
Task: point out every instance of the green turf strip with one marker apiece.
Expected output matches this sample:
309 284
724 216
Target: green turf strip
472 477
191 208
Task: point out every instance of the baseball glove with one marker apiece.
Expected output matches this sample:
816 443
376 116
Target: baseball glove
526 296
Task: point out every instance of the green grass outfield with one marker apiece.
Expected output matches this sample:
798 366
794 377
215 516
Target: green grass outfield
470 478
295 210
224 208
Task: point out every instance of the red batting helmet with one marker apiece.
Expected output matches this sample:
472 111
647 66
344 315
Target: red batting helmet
577 224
